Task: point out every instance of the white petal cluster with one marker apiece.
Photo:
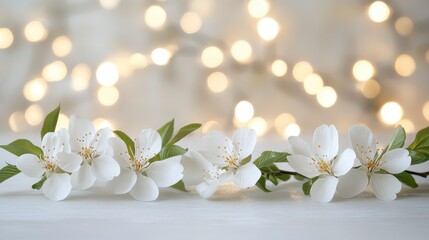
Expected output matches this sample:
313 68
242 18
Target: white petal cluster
140 177
223 160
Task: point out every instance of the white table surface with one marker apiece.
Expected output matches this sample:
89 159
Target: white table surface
232 214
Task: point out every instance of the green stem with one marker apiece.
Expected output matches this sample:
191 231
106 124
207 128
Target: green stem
287 172
423 174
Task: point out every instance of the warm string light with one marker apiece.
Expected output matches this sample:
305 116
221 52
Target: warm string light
391 113
279 68
80 77
301 70
34 114
109 4
313 83
6 38
55 71
258 8
363 70
378 11
100 123
426 110
138 61
370 89
259 125
211 125
190 22
63 121
217 82
241 51
268 28
108 96
405 65
155 17
212 57
107 74
404 26
62 46
244 111
327 97
34 90
160 56
35 31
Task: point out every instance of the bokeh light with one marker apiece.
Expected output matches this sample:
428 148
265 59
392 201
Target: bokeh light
327 96
108 96
62 46
259 125
34 114
404 26
212 57
107 74
100 123
370 89
63 122
426 110
17 122
292 129
258 8
217 82
109 4
279 68
34 90
160 56
363 70
241 51
378 11
282 121
80 77
35 31
301 70
268 28
6 38
190 22
244 111
211 125
138 61
155 17
408 125
313 83
405 65
391 113
55 71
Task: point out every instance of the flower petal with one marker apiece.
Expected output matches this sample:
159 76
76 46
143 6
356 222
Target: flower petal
323 189
300 146
247 175
64 140
325 142
396 161
194 165
244 141
69 162
30 165
83 178
206 190
148 144
218 147
343 163
353 183
145 189
51 144
385 186
82 132
363 142
101 139
166 172
303 165
57 187
124 182
120 152
105 168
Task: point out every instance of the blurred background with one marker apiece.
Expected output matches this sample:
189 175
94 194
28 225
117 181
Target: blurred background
280 67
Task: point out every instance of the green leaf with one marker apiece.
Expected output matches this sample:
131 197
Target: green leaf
283 177
180 186
166 132
398 139
128 142
246 160
50 122
273 179
261 184
184 131
7 172
22 146
39 184
406 179
307 185
419 148
269 157
171 151
299 177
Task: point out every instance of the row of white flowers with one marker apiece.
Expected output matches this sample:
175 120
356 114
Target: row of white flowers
77 157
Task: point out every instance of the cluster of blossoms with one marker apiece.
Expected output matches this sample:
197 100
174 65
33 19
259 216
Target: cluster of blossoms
80 156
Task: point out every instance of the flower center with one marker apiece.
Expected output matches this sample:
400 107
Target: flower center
373 158
87 152
212 175
48 159
321 165
231 156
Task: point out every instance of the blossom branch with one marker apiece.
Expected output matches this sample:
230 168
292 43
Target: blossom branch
422 174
